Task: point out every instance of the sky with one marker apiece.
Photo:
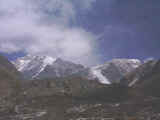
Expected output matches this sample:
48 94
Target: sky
83 31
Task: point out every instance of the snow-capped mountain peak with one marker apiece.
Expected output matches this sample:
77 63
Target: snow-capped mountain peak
49 60
48 67
35 64
127 64
26 62
112 71
45 66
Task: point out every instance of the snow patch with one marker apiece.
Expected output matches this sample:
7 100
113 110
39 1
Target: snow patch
23 64
135 63
47 61
133 82
98 74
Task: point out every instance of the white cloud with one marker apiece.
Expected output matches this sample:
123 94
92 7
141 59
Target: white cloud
42 27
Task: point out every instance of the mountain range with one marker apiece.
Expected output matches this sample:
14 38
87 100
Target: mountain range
40 67
34 67
46 88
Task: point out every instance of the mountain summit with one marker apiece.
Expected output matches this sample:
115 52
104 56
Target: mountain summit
45 66
39 67
114 70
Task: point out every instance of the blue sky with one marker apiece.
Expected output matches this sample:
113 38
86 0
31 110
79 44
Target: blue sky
86 31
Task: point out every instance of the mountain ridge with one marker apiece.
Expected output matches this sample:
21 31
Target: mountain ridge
75 97
34 67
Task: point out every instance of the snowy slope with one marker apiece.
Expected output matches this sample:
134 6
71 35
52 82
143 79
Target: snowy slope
32 66
48 67
46 61
114 70
27 62
45 66
97 73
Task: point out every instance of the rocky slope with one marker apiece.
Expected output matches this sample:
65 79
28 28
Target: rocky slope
75 97
9 78
145 78
114 70
34 67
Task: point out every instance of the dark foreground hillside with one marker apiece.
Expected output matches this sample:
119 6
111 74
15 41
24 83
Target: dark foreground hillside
76 98
9 78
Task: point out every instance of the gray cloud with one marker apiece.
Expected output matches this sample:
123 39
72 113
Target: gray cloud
43 27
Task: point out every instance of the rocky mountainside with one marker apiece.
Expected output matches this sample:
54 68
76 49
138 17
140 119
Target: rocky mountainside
74 97
74 86
34 67
114 70
145 78
9 78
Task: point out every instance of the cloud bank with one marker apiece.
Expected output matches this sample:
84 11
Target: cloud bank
46 27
